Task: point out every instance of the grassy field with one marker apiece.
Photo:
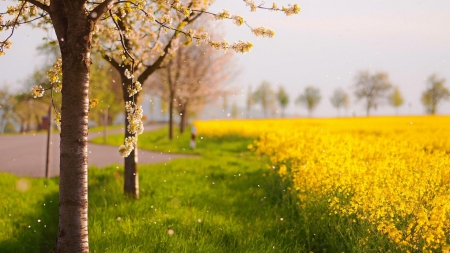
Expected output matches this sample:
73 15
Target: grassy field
376 184
225 201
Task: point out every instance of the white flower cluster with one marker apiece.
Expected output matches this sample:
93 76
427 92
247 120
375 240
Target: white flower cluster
222 45
37 91
252 4
294 9
126 149
135 127
134 117
190 32
128 74
222 15
133 89
291 9
204 37
55 74
57 119
237 20
180 8
166 19
264 32
242 46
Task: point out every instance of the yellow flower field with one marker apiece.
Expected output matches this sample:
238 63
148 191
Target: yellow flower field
392 173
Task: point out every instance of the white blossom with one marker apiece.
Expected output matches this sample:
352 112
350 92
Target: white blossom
37 91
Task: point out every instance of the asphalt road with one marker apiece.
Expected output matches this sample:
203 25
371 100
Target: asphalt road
24 155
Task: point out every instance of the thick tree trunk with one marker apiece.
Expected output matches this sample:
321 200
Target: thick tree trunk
131 176
73 189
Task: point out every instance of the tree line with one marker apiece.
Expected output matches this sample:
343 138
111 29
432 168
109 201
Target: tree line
136 38
373 90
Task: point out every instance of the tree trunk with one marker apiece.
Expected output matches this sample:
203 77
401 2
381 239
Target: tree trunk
131 176
74 36
183 120
172 96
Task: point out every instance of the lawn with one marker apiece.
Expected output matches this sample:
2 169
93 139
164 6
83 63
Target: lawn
225 201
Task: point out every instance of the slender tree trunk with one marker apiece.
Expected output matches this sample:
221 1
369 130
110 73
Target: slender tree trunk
131 175
74 36
172 96
183 120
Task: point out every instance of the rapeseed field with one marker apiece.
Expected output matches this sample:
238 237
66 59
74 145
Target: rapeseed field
377 177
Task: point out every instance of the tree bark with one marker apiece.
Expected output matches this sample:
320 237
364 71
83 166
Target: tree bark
131 175
73 30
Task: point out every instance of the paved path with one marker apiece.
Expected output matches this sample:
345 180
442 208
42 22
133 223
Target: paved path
24 155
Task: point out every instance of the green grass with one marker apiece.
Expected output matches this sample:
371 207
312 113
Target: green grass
97 129
224 201
155 140
28 214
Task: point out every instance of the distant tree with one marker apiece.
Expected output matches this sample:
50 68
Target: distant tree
372 88
310 99
9 127
27 111
234 111
190 79
283 99
225 103
434 94
339 99
108 97
396 99
164 104
265 96
249 101
6 106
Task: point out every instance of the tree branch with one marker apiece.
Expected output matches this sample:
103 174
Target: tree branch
113 62
152 68
157 64
101 9
39 5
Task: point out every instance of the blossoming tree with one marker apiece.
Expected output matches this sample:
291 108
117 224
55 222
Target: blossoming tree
78 24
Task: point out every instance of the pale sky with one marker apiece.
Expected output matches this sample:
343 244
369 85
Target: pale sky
322 46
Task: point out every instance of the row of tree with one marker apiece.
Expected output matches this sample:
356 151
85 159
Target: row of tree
21 109
373 89
136 38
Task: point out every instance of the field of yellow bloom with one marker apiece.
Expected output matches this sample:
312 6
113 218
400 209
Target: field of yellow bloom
390 174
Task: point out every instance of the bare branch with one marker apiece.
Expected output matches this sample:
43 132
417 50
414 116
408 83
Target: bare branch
5 43
122 42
